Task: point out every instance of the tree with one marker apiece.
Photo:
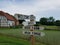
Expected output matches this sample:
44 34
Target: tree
51 21
43 21
37 23
47 21
57 23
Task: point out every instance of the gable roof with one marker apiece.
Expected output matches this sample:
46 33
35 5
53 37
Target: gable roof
8 16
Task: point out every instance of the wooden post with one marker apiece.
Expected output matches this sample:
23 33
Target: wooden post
32 36
32 40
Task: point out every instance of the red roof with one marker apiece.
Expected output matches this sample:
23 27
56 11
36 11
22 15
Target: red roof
8 16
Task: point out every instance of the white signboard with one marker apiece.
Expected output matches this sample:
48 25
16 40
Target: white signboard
27 32
38 33
33 33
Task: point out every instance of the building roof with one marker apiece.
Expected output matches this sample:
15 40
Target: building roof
8 16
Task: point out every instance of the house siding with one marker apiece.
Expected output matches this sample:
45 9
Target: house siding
11 23
3 21
6 23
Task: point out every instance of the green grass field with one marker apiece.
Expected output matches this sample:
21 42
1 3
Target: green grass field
14 37
50 38
5 40
52 27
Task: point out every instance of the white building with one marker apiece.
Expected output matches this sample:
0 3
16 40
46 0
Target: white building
20 17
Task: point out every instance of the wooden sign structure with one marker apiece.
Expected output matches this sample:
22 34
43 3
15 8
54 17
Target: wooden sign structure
31 32
32 20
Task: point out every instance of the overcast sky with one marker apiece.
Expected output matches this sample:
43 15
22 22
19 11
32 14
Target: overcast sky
39 8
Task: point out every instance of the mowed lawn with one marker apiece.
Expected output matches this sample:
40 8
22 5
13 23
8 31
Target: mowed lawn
50 38
5 40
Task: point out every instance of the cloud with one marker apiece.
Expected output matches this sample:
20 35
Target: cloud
37 5
28 7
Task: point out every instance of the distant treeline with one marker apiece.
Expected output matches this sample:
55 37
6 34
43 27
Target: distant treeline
48 21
